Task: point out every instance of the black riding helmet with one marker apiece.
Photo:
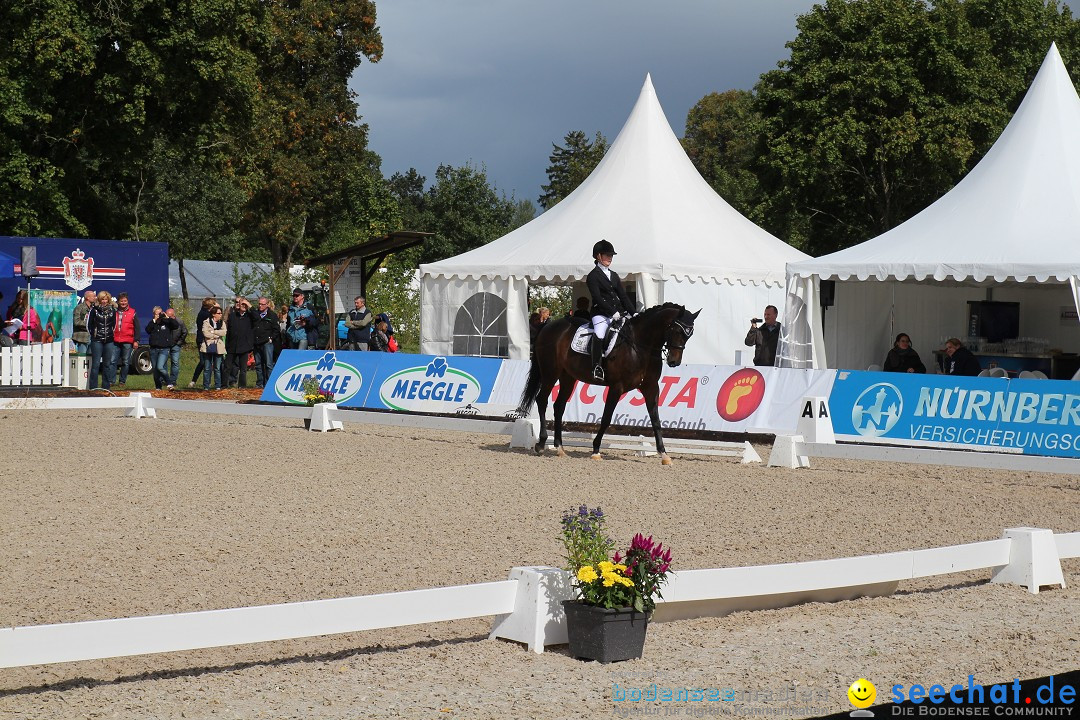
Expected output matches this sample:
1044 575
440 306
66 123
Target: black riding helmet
603 246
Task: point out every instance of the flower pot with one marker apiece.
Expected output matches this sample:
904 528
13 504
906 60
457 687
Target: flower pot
597 633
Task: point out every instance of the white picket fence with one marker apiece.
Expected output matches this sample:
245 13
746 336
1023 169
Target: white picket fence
35 364
528 606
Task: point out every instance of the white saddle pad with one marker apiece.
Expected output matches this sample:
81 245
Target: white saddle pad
580 342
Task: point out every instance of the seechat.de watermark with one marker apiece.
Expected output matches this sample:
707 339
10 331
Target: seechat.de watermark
1049 698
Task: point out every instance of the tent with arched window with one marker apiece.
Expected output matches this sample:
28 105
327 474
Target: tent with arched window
676 239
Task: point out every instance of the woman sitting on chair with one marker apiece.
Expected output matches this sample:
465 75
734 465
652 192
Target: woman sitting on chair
609 301
903 358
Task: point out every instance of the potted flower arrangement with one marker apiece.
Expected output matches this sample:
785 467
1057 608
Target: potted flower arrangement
313 394
613 596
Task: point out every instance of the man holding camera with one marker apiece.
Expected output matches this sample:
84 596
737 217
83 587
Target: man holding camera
764 339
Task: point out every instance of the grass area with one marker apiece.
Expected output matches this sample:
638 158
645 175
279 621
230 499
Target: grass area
189 358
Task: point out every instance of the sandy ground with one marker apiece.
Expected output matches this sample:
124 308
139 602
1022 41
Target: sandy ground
192 512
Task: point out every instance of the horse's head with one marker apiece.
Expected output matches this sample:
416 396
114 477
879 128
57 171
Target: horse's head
676 335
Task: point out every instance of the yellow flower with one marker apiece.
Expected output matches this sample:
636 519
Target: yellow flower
620 568
605 566
586 574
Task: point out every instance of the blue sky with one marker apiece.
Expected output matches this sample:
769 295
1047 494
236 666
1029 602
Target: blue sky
496 82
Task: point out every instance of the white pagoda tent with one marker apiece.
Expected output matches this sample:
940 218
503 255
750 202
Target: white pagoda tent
1008 231
676 239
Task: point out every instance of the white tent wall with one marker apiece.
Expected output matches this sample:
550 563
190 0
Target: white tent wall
445 308
726 310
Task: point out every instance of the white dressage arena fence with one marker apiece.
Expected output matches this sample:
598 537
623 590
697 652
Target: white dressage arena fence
35 364
528 606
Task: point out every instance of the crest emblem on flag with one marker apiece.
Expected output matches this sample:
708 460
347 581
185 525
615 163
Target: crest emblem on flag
78 270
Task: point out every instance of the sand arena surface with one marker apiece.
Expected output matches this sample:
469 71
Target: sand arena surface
192 512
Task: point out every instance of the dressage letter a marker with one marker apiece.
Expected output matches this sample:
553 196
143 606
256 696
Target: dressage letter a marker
823 410
808 409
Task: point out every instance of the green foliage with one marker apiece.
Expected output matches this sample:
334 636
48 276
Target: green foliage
721 140
393 289
884 104
570 165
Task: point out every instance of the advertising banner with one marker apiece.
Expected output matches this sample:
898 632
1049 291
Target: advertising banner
54 308
389 381
721 398
697 397
1035 417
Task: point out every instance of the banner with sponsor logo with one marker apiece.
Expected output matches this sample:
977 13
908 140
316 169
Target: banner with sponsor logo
720 398
392 381
697 397
1035 417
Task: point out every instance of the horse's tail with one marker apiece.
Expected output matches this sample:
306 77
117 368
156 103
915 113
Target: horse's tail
532 388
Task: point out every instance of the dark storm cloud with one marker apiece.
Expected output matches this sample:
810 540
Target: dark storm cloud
495 83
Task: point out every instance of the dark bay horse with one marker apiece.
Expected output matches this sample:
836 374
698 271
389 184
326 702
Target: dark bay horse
634 364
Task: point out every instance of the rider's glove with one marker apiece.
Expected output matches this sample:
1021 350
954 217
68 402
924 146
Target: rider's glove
616 316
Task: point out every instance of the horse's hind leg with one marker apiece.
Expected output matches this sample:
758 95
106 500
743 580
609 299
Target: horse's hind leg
654 415
566 389
609 410
541 409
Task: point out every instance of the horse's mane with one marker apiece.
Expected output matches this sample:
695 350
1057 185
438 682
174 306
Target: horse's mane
668 305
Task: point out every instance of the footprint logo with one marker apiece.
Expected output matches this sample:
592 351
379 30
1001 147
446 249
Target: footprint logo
743 387
740 395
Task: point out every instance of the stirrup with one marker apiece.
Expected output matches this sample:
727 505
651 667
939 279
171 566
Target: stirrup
598 373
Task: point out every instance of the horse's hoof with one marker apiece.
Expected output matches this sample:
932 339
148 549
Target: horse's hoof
561 453
595 456
665 460
539 449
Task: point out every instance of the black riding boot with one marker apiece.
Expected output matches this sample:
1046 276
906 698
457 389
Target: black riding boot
597 348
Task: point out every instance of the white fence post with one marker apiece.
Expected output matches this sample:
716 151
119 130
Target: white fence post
140 409
538 618
321 420
1033 560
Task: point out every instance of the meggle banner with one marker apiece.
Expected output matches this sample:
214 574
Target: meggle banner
1035 417
698 397
394 381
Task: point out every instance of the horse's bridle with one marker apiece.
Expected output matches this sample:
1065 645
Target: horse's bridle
687 331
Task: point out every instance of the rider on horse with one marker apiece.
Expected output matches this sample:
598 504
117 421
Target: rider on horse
609 301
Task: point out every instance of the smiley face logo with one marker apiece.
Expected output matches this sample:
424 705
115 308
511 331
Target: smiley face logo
862 693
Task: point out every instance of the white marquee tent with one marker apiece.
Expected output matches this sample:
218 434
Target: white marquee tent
1008 231
676 239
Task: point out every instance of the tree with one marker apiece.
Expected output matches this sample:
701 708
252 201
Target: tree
884 104
465 212
570 165
721 141
308 134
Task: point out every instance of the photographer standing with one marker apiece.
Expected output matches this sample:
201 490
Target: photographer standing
161 330
764 339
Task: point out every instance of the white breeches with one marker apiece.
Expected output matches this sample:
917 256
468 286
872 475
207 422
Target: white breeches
600 324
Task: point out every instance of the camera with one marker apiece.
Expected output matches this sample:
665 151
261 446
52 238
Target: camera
756 320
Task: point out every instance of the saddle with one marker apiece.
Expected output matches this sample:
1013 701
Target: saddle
584 337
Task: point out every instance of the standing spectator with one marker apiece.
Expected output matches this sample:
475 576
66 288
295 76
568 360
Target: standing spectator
359 325
30 322
267 337
380 341
100 323
161 331
765 338
537 321
283 326
299 316
581 310
239 341
208 304
179 339
125 335
80 335
213 348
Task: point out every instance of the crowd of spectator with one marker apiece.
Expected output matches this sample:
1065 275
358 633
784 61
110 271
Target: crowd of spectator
229 342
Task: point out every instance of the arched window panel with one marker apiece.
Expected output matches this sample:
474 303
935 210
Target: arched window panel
480 327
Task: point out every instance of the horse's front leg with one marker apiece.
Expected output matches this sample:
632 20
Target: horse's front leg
566 389
654 415
609 410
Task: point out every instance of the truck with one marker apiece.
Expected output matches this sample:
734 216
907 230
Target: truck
141 269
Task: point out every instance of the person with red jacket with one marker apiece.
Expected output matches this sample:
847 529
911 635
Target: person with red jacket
125 335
